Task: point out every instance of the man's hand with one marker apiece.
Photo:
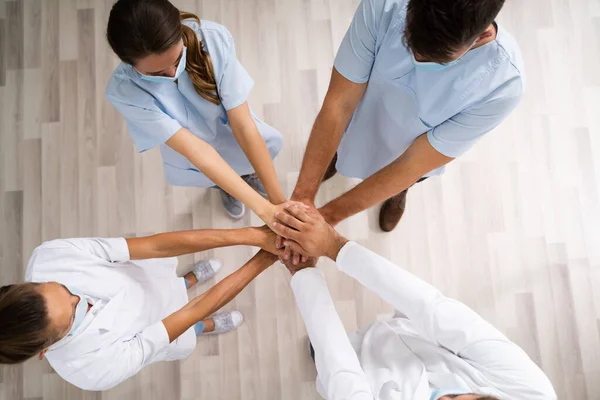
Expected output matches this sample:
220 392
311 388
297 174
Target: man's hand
279 241
307 232
309 263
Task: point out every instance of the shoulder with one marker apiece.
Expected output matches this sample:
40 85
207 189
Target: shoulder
387 14
508 46
216 40
213 35
44 256
122 83
126 87
498 72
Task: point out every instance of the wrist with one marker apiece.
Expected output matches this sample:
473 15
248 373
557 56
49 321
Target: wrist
330 215
303 195
267 212
252 236
336 246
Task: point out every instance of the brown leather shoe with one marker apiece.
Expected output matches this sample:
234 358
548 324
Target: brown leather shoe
392 211
331 170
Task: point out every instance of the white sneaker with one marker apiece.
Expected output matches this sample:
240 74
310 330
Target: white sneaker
225 321
207 269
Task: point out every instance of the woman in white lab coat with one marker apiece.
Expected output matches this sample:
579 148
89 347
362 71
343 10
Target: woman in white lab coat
102 309
181 87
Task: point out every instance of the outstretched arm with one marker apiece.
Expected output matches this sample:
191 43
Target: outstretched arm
340 102
130 355
247 135
217 296
338 367
418 160
211 164
174 244
441 320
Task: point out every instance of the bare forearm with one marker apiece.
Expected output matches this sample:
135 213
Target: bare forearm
174 244
218 296
340 102
324 140
379 187
256 150
418 160
217 170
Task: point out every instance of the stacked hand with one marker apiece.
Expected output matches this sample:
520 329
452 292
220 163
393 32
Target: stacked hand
298 234
307 233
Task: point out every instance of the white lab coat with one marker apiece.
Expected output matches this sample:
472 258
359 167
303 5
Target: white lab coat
122 332
433 342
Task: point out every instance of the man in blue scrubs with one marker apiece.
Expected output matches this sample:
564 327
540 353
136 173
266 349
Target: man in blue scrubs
415 84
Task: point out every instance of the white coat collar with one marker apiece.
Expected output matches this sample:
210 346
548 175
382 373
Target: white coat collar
393 370
89 339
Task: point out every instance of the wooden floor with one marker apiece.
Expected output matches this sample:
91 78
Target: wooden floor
512 229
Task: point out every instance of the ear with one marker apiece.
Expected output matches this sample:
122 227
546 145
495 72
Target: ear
485 35
42 354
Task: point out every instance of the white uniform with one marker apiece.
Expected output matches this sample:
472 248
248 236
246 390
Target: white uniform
123 332
437 343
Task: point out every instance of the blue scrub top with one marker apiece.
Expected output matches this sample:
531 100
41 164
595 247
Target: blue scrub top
455 106
156 111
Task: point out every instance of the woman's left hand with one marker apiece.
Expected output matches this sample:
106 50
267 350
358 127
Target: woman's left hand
270 219
266 240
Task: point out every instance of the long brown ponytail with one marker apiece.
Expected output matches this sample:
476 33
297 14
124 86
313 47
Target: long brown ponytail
138 28
199 65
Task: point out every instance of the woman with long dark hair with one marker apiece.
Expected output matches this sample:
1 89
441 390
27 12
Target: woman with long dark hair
181 87
101 309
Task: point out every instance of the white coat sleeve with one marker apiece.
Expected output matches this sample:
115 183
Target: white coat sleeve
448 323
108 249
338 367
121 360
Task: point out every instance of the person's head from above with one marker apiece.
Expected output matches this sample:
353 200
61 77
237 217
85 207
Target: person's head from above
149 35
442 31
34 316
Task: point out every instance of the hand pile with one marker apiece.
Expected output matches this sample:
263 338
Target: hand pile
304 236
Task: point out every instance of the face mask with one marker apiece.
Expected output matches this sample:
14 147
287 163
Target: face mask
180 69
436 394
80 311
431 66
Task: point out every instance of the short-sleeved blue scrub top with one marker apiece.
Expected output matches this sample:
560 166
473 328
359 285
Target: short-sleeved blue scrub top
156 111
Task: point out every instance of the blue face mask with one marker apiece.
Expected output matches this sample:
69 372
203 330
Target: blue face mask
180 69
431 66
80 310
436 394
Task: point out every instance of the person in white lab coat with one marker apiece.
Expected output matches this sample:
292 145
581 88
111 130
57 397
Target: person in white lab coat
100 310
433 348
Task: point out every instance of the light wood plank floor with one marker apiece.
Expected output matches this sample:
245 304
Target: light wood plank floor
512 229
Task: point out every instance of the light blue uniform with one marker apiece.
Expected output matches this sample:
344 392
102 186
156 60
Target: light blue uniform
455 106
155 111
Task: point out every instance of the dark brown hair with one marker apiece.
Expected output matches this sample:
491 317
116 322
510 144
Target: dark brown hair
24 323
138 28
437 29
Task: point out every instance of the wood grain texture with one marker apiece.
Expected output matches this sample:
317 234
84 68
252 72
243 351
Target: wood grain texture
512 229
